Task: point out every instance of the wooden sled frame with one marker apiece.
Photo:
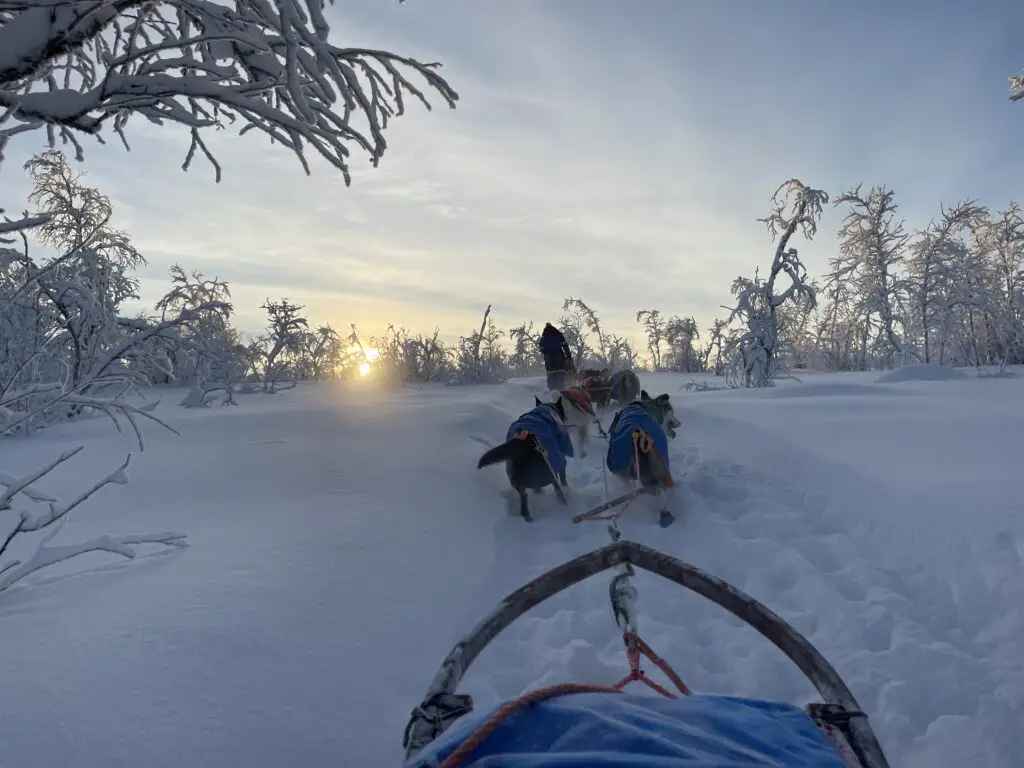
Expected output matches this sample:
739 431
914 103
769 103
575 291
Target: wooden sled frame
437 713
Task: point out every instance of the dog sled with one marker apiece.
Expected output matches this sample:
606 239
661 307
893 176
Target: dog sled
598 384
581 724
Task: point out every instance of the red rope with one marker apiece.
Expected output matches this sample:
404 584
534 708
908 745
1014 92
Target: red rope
635 648
479 736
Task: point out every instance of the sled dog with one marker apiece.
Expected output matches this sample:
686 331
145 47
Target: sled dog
535 452
595 381
624 386
579 412
638 446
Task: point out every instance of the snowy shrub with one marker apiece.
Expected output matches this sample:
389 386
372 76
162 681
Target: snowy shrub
405 358
601 350
525 359
479 358
275 351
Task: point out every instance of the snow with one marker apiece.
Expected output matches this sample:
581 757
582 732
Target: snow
341 541
921 372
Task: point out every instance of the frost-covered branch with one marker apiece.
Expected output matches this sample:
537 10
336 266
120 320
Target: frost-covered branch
20 524
76 67
1016 87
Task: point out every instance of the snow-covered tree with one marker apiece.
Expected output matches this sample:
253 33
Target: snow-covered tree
714 350
681 335
1001 239
207 353
67 345
283 339
654 330
930 274
324 354
872 249
576 324
524 357
754 348
77 68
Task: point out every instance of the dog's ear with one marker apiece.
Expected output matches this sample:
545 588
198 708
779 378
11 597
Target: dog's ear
560 407
536 400
662 398
644 395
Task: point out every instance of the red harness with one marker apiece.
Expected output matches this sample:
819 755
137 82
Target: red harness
579 397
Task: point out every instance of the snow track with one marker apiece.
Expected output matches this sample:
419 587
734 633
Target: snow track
932 691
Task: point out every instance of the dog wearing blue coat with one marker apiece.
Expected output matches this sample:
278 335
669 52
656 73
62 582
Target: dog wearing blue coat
536 450
638 447
624 386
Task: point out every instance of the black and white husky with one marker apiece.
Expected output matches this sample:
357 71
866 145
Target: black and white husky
638 447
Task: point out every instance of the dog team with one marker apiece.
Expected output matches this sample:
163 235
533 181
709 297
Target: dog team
538 444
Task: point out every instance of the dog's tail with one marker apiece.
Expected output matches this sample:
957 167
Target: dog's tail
510 450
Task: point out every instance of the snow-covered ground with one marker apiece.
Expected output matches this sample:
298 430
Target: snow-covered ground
342 540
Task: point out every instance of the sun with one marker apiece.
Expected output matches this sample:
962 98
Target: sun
369 354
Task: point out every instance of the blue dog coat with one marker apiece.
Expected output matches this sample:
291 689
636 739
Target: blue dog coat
543 421
620 439
615 383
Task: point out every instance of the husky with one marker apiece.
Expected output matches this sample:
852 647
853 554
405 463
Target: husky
638 446
535 452
579 413
624 386
596 382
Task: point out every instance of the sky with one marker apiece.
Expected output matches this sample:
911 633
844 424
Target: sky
615 151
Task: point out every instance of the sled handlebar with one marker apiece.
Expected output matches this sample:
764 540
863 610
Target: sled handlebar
431 718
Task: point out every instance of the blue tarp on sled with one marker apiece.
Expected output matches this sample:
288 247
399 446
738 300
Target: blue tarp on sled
600 730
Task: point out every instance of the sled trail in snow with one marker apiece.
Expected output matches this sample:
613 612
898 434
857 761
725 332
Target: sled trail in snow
931 690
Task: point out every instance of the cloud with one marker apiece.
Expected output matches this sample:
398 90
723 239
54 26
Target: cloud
615 152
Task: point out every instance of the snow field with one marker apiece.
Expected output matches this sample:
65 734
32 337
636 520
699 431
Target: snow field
342 540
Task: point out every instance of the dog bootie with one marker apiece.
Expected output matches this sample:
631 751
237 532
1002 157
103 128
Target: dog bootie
666 519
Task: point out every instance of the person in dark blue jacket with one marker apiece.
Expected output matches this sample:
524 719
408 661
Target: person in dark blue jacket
558 360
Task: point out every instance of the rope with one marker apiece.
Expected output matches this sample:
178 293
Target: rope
554 475
635 648
510 708
622 595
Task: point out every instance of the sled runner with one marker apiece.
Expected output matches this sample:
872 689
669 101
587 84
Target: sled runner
583 724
